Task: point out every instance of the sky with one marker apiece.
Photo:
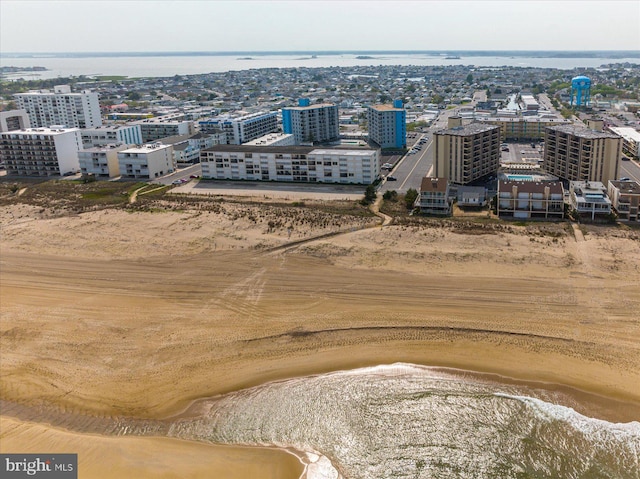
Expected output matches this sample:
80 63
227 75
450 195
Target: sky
309 25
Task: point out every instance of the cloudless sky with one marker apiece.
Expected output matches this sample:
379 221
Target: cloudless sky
203 25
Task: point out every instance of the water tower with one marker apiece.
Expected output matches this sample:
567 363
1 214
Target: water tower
580 91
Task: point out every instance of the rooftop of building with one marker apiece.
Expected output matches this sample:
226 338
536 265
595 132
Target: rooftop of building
627 187
555 187
108 127
626 132
40 131
582 131
173 140
528 119
104 148
310 107
269 138
466 130
146 148
159 121
297 150
388 107
433 185
588 185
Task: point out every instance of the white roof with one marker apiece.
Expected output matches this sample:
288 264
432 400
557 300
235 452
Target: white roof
626 132
41 131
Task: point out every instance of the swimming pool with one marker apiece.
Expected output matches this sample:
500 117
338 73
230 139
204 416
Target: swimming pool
520 177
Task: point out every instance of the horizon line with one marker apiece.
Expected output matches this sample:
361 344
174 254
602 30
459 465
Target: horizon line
238 52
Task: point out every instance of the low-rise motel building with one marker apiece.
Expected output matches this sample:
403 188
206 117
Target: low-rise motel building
41 151
625 199
530 199
146 161
291 164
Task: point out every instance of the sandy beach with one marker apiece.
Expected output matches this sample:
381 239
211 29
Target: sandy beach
139 312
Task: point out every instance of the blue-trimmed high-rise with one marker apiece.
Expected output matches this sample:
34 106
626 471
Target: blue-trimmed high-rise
388 125
311 123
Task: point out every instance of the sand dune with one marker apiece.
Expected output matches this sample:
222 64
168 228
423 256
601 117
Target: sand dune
118 314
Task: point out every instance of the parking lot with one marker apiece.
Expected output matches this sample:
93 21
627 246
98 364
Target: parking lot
280 191
521 152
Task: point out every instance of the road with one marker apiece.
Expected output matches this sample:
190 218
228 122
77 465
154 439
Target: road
181 174
413 167
629 169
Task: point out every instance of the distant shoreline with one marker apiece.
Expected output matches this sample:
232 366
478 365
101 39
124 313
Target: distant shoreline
461 53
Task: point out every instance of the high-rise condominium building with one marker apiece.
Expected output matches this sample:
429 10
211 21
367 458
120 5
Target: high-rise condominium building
388 125
465 153
576 153
311 123
41 151
61 107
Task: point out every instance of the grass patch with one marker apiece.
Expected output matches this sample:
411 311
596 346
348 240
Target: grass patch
111 77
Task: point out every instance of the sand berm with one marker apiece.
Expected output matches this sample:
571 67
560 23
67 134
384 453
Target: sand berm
138 311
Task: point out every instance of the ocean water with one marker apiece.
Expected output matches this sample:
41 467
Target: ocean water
166 66
406 421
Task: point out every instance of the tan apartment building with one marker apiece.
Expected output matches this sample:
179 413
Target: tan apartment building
466 153
576 153
625 199
525 128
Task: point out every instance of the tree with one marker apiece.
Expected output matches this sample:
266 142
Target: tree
133 95
369 195
410 197
390 195
469 78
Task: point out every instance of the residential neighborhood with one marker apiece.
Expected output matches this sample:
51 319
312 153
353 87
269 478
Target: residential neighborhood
489 130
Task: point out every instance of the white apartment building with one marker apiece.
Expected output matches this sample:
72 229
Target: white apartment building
61 107
146 161
41 151
154 129
101 161
312 123
273 139
291 163
241 129
14 120
630 140
107 135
